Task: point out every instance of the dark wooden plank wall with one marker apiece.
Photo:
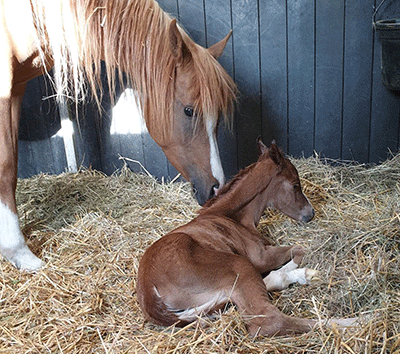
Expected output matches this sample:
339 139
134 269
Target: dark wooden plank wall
309 76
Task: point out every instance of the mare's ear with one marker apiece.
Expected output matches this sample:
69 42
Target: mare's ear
276 154
262 149
178 47
217 49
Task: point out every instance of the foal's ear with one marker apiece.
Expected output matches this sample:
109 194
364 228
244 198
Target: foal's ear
177 44
276 154
273 152
217 49
262 149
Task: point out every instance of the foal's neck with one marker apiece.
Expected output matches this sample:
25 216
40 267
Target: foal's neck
246 197
250 214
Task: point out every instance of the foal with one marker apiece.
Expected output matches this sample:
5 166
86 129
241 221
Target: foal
220 257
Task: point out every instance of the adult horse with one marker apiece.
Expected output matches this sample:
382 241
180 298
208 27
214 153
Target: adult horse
182 88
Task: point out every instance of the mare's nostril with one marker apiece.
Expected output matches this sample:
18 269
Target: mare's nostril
309 217
214 190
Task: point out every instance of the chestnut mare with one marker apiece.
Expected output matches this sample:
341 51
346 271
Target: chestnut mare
220 257
182 88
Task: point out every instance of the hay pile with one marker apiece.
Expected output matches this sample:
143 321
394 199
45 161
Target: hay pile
91 231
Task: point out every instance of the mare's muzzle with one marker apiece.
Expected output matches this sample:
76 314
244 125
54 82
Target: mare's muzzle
204 191
307 215
207 194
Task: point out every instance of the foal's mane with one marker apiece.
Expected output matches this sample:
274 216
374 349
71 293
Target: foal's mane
131 36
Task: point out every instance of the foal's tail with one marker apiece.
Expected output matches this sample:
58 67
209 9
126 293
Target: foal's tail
153 307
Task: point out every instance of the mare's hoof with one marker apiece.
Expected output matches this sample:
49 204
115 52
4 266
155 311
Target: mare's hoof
24 260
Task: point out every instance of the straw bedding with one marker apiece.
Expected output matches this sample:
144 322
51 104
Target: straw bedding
91 230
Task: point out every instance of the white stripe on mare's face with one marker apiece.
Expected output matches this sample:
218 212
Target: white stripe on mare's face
12 242
215 160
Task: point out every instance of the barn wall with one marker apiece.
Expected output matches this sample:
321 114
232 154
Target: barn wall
309 76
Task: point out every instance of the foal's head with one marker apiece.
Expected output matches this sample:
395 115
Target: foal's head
285 193
272 182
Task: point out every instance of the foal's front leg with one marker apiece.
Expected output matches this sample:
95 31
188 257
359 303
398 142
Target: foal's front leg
289 273
274 257
281 279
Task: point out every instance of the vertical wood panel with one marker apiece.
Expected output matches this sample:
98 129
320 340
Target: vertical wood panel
42 156
274 72
329 75
26 163
300 17
218 23
40 119
39 114
247 75
192 17
154 159
170 6
86 136
357 80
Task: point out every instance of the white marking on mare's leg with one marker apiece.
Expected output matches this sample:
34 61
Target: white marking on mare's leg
12 242
215 160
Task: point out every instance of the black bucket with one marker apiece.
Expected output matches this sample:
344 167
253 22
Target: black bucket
389 34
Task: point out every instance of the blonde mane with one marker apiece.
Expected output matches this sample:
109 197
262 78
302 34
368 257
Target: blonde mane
132 37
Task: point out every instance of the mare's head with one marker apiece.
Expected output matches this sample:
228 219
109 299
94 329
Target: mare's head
183 90
285 189
201 92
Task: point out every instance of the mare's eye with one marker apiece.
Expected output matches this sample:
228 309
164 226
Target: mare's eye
189 111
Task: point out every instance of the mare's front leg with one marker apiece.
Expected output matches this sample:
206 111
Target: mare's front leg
12 242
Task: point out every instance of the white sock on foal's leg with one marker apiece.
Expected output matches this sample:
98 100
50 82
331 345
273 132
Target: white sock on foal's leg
288 266
12 242
289 274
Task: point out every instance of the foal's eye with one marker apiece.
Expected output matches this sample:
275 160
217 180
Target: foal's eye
189 111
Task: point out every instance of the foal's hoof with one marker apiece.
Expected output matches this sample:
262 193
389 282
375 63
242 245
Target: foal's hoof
312 275
297 253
